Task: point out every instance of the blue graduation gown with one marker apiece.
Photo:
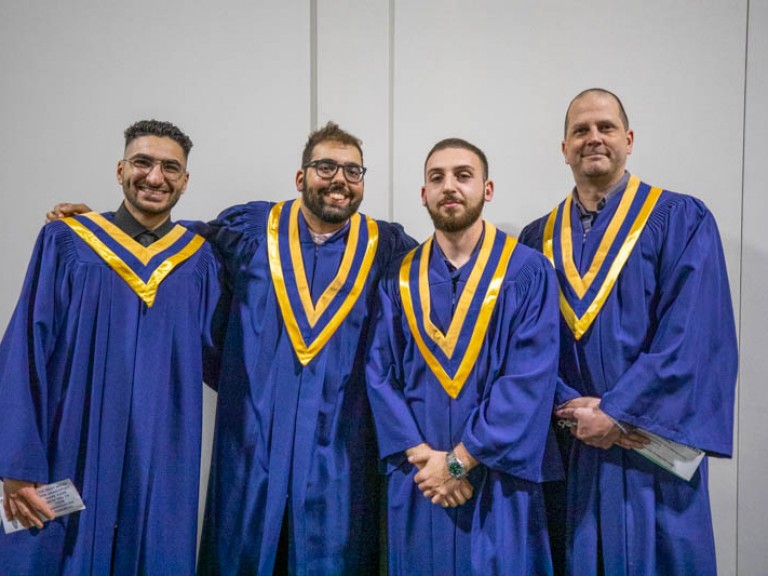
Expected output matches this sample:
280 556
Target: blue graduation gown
661 354
293 440
501 413
98 387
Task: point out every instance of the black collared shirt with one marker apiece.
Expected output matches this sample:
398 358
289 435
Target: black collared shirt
128 224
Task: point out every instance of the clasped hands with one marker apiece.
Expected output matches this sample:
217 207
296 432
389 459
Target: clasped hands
433 478
594 427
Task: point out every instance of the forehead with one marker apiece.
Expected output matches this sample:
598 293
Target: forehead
159 147
449 158
342 153
594 104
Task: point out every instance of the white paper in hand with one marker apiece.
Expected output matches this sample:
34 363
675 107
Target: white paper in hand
677 458
62 497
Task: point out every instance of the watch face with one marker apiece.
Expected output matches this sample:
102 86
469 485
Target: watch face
455 468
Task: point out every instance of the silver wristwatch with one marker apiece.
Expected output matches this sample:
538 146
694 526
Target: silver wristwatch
455 466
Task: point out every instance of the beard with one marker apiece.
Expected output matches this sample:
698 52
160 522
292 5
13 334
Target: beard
456 222
131 193
314 200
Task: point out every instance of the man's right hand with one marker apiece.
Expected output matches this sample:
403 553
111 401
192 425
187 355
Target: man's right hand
65 209
435 482
22 503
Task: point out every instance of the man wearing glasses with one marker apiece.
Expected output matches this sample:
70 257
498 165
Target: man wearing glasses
293 485
100 373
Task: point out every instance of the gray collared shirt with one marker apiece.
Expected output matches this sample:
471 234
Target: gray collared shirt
587 217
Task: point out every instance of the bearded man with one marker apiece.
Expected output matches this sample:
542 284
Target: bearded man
461 377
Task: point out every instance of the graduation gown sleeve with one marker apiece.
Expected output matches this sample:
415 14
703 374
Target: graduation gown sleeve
26 395
684 380
508 431
396 425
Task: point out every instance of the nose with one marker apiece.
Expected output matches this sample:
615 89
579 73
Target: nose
155 175
449 183
339 177
594 134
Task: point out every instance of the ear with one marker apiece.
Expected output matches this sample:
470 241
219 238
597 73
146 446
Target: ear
300 181
184 185
423 195
120 171
630 141
488 192
562 149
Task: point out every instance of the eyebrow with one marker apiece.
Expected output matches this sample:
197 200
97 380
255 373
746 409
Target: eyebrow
451 168
326 159
150 157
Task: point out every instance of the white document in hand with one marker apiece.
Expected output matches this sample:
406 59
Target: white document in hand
62 497
677 458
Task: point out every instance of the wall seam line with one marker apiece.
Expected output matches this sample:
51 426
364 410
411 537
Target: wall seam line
313 59
391 113
741 272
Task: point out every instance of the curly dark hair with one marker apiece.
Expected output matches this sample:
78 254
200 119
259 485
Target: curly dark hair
329 133
158 128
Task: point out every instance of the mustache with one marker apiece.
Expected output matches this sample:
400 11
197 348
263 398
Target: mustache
335 187
148 186
450 199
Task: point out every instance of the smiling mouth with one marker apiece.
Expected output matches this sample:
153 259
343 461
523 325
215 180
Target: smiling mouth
336 196
153 193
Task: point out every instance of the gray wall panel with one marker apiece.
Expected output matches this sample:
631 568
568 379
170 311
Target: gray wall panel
753 395
353 65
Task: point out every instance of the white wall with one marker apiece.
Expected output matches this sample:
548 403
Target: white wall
249 79
752 511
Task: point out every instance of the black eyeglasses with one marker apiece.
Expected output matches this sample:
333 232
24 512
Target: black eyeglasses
327 169
171 169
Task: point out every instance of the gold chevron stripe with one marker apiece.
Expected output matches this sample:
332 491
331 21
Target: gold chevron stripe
306 353
579 285
447 343
314 312
580 325
143 254
453 386
147 291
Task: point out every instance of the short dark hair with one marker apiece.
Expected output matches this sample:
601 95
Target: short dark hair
622 112
160 129
462 144
329 133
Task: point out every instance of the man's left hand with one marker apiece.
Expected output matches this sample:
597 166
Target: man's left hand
594 427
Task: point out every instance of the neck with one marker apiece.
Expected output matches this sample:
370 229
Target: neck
149 221
458 246
591 190
318 225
